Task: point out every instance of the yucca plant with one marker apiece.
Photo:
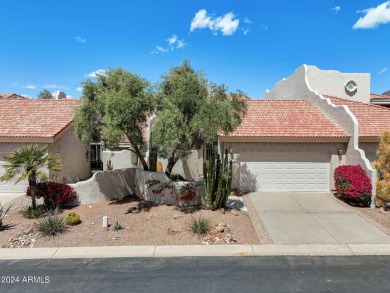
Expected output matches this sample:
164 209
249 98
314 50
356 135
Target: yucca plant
52 225
199 226
3 212
28 163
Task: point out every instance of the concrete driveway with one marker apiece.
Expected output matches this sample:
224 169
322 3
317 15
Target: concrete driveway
16 200
312 218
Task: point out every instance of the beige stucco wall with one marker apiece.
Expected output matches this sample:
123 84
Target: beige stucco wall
75 163
119 159
370 149
6 148
300 86
287 148
189 168
332 82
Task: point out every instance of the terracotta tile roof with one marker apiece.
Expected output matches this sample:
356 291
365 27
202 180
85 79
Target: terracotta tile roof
373 120
286 118
12 96
35 118
379 97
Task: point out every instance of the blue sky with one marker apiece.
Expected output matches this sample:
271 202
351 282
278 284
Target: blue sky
246 44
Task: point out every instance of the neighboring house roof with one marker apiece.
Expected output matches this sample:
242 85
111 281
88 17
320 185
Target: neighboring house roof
35 118
286 118
376 97
12 96
373 120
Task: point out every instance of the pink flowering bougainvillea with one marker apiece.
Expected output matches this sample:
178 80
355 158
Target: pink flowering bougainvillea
352 183
54 193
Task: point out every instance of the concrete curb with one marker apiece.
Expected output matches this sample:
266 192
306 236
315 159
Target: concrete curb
195 251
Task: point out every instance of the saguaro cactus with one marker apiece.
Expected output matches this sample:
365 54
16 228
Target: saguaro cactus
218 180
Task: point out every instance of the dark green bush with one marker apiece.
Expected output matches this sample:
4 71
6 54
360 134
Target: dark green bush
176 177
30 213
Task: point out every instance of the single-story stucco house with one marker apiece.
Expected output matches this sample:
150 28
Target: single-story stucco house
309 124
42 122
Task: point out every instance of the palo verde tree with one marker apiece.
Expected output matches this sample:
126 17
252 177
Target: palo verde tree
191 112
115 106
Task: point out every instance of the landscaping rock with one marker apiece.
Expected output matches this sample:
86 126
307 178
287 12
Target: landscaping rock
172 231
25 238
222 210
129 210
234 212
220 228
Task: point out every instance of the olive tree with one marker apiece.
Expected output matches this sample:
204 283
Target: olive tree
191 112
114 107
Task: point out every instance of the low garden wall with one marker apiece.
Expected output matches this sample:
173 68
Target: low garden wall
151 186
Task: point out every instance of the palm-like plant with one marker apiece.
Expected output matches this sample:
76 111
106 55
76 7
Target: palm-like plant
29 163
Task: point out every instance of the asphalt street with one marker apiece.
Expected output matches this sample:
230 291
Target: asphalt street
198 274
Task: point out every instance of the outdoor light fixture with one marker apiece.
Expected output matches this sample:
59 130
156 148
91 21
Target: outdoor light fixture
340 153
231 153
105 222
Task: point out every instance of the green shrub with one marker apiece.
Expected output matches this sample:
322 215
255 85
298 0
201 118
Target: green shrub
117 226
52 225
30 213
72 219
3 212
176 177
199 226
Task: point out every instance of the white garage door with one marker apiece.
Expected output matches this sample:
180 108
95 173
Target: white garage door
290 172
10 187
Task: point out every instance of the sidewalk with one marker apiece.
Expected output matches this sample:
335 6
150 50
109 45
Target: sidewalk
195 251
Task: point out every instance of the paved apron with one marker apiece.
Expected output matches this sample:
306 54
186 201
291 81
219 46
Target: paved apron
313 218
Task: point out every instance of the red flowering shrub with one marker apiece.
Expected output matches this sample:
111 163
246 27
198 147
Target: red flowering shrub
54 193
352 183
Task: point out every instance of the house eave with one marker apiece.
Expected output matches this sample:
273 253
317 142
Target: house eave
24 139
284 139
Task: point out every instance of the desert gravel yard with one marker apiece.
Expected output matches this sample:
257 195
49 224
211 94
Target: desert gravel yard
152 225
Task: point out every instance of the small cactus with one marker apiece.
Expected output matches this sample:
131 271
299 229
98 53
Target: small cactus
72 219
117 225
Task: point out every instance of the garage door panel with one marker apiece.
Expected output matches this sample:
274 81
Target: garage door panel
299 172
9 186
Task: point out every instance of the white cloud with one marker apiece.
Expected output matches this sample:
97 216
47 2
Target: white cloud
383 70
172 39
55 86
336 9
26 96
159 50
15 84
80 39
374 16
246 32
29 86
227 24
79 89
173 43
264 27
96 73
247 20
